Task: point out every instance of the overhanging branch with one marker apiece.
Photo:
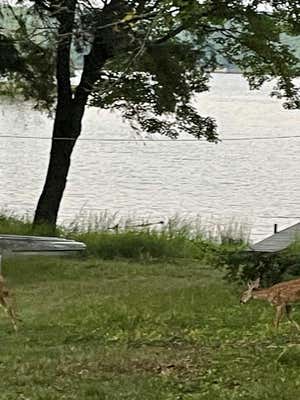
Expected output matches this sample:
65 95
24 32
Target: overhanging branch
172 33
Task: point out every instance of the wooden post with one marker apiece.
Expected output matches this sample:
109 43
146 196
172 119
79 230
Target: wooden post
275 228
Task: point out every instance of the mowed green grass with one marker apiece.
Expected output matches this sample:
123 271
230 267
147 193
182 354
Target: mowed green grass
95 329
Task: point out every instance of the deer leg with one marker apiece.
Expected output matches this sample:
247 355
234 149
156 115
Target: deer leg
279 314
9 311
288 310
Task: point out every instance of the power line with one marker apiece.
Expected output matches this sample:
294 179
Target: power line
278 217
169 140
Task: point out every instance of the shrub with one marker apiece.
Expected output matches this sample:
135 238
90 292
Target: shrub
242 266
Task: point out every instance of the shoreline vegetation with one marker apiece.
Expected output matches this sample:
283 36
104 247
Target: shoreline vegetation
110 236
222 246
144 314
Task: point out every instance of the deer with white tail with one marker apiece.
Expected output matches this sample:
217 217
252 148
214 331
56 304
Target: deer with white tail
280 296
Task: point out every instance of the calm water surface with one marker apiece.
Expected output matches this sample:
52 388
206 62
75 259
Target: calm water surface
255 181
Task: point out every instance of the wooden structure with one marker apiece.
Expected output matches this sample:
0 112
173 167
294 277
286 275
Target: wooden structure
279 241
12 245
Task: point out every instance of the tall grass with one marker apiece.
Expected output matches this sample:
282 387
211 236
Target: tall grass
11 223
111 236
213 229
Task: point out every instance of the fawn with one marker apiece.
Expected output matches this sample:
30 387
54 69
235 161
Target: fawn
5 302
279 295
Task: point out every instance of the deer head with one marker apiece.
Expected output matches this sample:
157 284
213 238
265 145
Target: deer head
248 294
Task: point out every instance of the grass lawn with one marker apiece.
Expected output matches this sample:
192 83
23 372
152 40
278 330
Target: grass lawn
110 330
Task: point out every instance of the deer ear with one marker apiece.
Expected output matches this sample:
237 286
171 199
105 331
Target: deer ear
256 283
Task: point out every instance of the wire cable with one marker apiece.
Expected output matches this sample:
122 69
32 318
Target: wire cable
169 140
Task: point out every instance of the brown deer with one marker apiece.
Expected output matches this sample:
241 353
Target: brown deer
279 295
6 302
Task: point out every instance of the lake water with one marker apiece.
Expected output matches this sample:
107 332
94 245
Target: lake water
253 181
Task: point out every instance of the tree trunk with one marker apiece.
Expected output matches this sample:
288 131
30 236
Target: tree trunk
67 128
70 107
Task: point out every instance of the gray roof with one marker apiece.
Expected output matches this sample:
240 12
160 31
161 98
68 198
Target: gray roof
279 241
31 245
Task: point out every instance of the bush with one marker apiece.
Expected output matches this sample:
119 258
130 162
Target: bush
242 266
